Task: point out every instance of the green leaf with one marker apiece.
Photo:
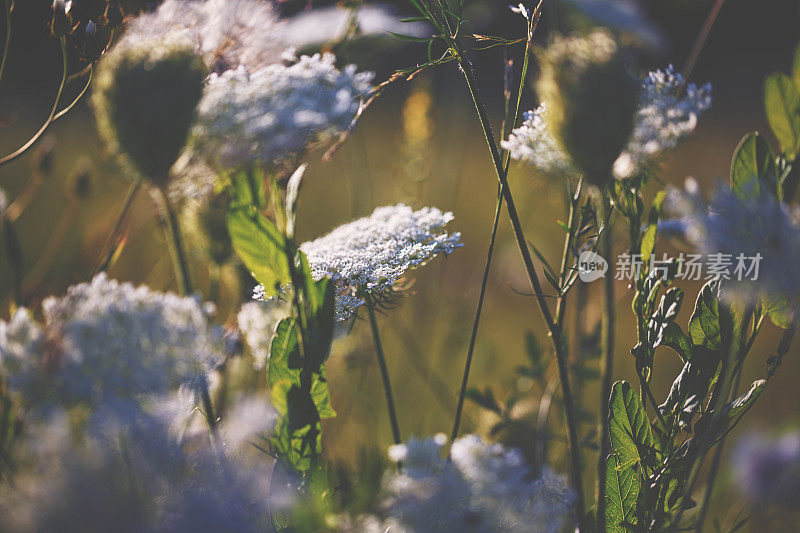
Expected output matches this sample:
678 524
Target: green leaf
678 341
753 165
411 38
621 495
284 362
261 247
321 396
796 68
629 429
778 310
704 326
782 105
649 237
741 404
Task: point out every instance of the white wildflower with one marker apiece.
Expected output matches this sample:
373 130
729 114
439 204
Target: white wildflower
226 33
271 115
257 322
485 487
370 254
663 119
107 344
248 420
759 229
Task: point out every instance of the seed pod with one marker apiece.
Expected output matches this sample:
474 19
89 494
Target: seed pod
591 100
79 181
144 101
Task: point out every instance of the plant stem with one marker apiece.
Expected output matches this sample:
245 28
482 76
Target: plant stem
9 8
387 385
179 261
105 256
464 382
700 41
555 333
607 361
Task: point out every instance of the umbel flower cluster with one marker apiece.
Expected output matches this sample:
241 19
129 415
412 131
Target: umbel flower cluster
483 487
669 110
753 226
270 115
108 380
370 254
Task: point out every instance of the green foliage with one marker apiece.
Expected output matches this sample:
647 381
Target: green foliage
260 246
753 165
622 491
704 326
782 105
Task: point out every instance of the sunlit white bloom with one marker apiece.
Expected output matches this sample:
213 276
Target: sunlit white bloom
372 253
484 487
226 33
271 115
669 110
755 227
325 24
257 321
248 421
106 344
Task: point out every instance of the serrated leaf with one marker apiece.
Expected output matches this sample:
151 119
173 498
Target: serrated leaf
704 326
782 106
628 428
753 165
621 495
260 246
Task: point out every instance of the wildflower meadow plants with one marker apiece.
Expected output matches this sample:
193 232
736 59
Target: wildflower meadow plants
124 407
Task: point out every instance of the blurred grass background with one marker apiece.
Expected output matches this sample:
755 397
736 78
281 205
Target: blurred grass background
419 144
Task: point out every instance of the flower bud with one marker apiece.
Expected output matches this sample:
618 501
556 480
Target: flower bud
60 24
79 181
144 101
591 100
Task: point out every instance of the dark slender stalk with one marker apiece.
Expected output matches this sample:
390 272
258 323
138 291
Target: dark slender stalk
465 380
105 255
9 7
555 333
24 148
700 41
607 362
387 385
179 261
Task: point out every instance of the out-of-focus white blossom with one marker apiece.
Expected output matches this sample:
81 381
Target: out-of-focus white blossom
372 253
226 33
325 24
248 421
485 487
257 321
767 469
756 227
669 110
665 117
106 344
272 114
625 16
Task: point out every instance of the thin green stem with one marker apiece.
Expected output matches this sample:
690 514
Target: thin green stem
387 385
105 256
179 261
9 7
607 362
555 333
702 36
24 148
473 336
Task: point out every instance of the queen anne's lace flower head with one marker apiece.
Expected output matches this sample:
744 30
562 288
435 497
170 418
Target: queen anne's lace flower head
257 321
226 33
756 227
370 254
669 110
271 115
485 487
107 344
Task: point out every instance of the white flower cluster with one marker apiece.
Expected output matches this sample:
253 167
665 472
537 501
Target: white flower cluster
483 488
226 33
134 475
257 321
663 119
372 253
270 115
107 344
732 226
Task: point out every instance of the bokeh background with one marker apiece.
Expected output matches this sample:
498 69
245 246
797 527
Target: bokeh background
419 144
